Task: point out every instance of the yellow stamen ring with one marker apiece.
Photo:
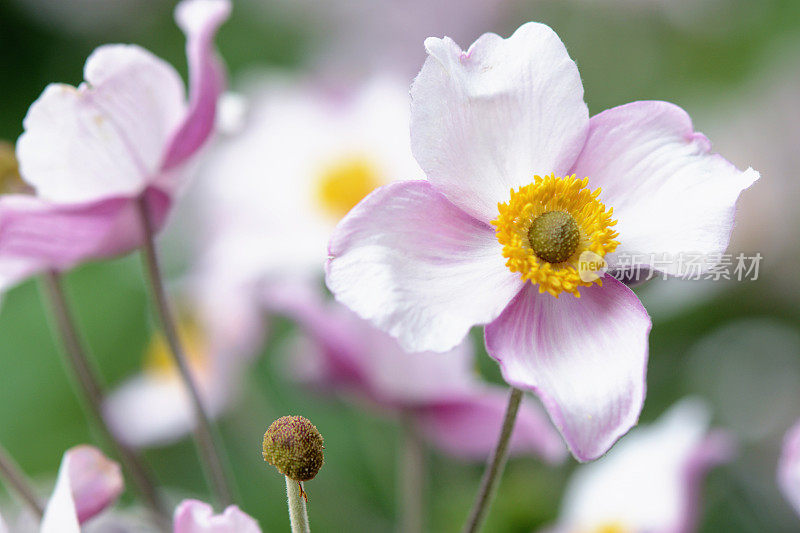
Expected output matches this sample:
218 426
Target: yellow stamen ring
546 226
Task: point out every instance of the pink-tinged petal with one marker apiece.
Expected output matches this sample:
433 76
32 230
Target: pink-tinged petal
716 449
199 20
468 427
96 480
789 467
347 353
487 119
585 358
107 137
333 350
193 516
88 483
59 236
652 478
669 193
418 267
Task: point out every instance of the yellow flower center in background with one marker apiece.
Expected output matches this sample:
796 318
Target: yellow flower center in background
158 360
612 527
343 184
546 226
10 179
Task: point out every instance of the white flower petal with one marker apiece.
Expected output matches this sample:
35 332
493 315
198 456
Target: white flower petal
488 119
60 515
193 516
789 467
106 137
418 267
584 357
649 481
669 193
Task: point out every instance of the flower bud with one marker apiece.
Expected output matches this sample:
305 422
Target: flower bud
293 445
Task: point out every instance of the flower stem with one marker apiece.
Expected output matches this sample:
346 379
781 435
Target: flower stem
412 476
89 385
16 479
298 514
209 451
495 467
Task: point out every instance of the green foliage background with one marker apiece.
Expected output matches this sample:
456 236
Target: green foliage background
623 53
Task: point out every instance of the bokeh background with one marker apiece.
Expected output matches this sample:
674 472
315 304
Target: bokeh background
734 65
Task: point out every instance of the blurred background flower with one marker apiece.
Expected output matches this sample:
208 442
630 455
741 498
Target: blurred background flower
732 64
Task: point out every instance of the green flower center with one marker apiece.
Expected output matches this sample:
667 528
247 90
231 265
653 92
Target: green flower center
554 236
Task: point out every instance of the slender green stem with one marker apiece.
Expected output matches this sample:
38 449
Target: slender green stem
412 476
89 385
204 437
16 480
495 466
298 514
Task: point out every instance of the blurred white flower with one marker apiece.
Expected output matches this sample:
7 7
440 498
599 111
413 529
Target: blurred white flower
650 481
272 195
153 407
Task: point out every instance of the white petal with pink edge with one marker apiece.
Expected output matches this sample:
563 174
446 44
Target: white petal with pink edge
489 118
585 358
88 482
789 467
199 20
193 516
418 267
57 236
96 480
650 481
670 193
105 138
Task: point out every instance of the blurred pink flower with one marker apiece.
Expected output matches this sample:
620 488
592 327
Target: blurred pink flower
273 194
193 516
789 467
153 407
88 483
651 481
426 260
450 405
92 152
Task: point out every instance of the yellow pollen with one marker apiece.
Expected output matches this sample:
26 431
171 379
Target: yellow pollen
343 184
158 359
10 179
525 222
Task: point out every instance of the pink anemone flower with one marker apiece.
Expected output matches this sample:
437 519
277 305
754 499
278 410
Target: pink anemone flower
789 467
193 516
88 483
651 481
497 232
92 153
441 393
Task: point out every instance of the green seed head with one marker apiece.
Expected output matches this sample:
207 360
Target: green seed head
554 236
293 445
